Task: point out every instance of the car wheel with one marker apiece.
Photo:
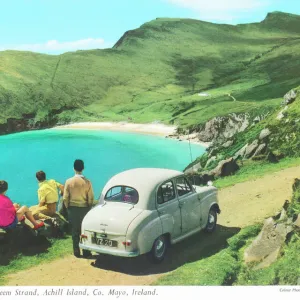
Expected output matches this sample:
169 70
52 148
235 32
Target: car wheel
212 220
159 249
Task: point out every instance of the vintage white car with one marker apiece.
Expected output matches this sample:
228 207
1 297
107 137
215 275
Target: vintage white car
145 210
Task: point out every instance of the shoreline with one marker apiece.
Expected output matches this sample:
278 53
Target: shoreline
157 129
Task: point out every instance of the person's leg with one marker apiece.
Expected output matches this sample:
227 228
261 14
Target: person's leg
84 211
24 210
40 212
74 219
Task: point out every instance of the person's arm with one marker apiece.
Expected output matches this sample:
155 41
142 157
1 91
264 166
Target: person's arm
90 195
60 187
66 195
42 197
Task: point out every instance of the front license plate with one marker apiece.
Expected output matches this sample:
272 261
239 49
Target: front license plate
105 242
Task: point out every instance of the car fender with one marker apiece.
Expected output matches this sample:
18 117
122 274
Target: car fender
144 230
209 201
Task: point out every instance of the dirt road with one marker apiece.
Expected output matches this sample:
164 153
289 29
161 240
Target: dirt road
241 205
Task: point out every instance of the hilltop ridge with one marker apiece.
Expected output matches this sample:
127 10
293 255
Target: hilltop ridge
176 71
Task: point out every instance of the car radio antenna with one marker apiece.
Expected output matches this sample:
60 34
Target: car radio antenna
191 154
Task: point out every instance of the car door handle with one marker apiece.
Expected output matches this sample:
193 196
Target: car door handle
181 204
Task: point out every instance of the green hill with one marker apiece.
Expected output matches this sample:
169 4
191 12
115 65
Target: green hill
156 72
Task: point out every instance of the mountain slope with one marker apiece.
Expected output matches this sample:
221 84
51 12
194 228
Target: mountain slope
156 72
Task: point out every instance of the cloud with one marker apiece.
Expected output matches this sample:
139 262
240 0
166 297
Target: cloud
222 10
54 46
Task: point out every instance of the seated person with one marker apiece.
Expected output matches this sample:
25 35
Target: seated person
11 214
48 197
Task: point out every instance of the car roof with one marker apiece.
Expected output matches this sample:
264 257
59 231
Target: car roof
144 180
135 177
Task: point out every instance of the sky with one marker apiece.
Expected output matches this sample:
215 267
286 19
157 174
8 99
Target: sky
58 26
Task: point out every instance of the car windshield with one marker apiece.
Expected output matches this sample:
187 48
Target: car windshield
122 193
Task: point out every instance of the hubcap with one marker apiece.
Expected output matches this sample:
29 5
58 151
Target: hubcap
211 221
159 247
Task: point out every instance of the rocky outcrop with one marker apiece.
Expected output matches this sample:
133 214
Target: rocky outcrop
222 128
198 179
266 247
250 150
289 97
225 168
193 169
281 114
261 149
227 144
297 222
257 148
27 122
264 134
54 228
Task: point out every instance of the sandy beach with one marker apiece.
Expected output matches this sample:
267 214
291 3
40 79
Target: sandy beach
151 128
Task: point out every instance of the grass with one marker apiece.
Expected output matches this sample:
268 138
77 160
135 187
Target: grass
57 249
227 266
156 72
219 269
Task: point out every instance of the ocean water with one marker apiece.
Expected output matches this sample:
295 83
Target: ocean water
104 153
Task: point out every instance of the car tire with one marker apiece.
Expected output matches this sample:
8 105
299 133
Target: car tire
159 249
211 221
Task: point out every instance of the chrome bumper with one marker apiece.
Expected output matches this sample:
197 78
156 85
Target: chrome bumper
109 251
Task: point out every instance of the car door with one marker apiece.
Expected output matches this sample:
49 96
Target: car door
189 204
168 209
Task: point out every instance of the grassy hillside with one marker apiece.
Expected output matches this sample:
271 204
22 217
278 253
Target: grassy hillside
156 73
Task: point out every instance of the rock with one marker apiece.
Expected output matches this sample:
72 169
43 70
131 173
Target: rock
250 150
202 179
222 128
225 168
297 222
268 260
195 179
193 168
260 150
272 157
210 160
289 97
241 152
205 178
213 152
281 113
227 144
268 242
264 133
296 184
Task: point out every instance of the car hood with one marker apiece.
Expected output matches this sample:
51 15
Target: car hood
112 217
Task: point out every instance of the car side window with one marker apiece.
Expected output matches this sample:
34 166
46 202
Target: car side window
165 192
183 186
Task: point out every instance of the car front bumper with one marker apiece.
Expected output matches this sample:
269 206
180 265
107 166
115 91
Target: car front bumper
109 251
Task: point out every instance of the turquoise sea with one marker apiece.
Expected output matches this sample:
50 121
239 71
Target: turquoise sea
105 154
